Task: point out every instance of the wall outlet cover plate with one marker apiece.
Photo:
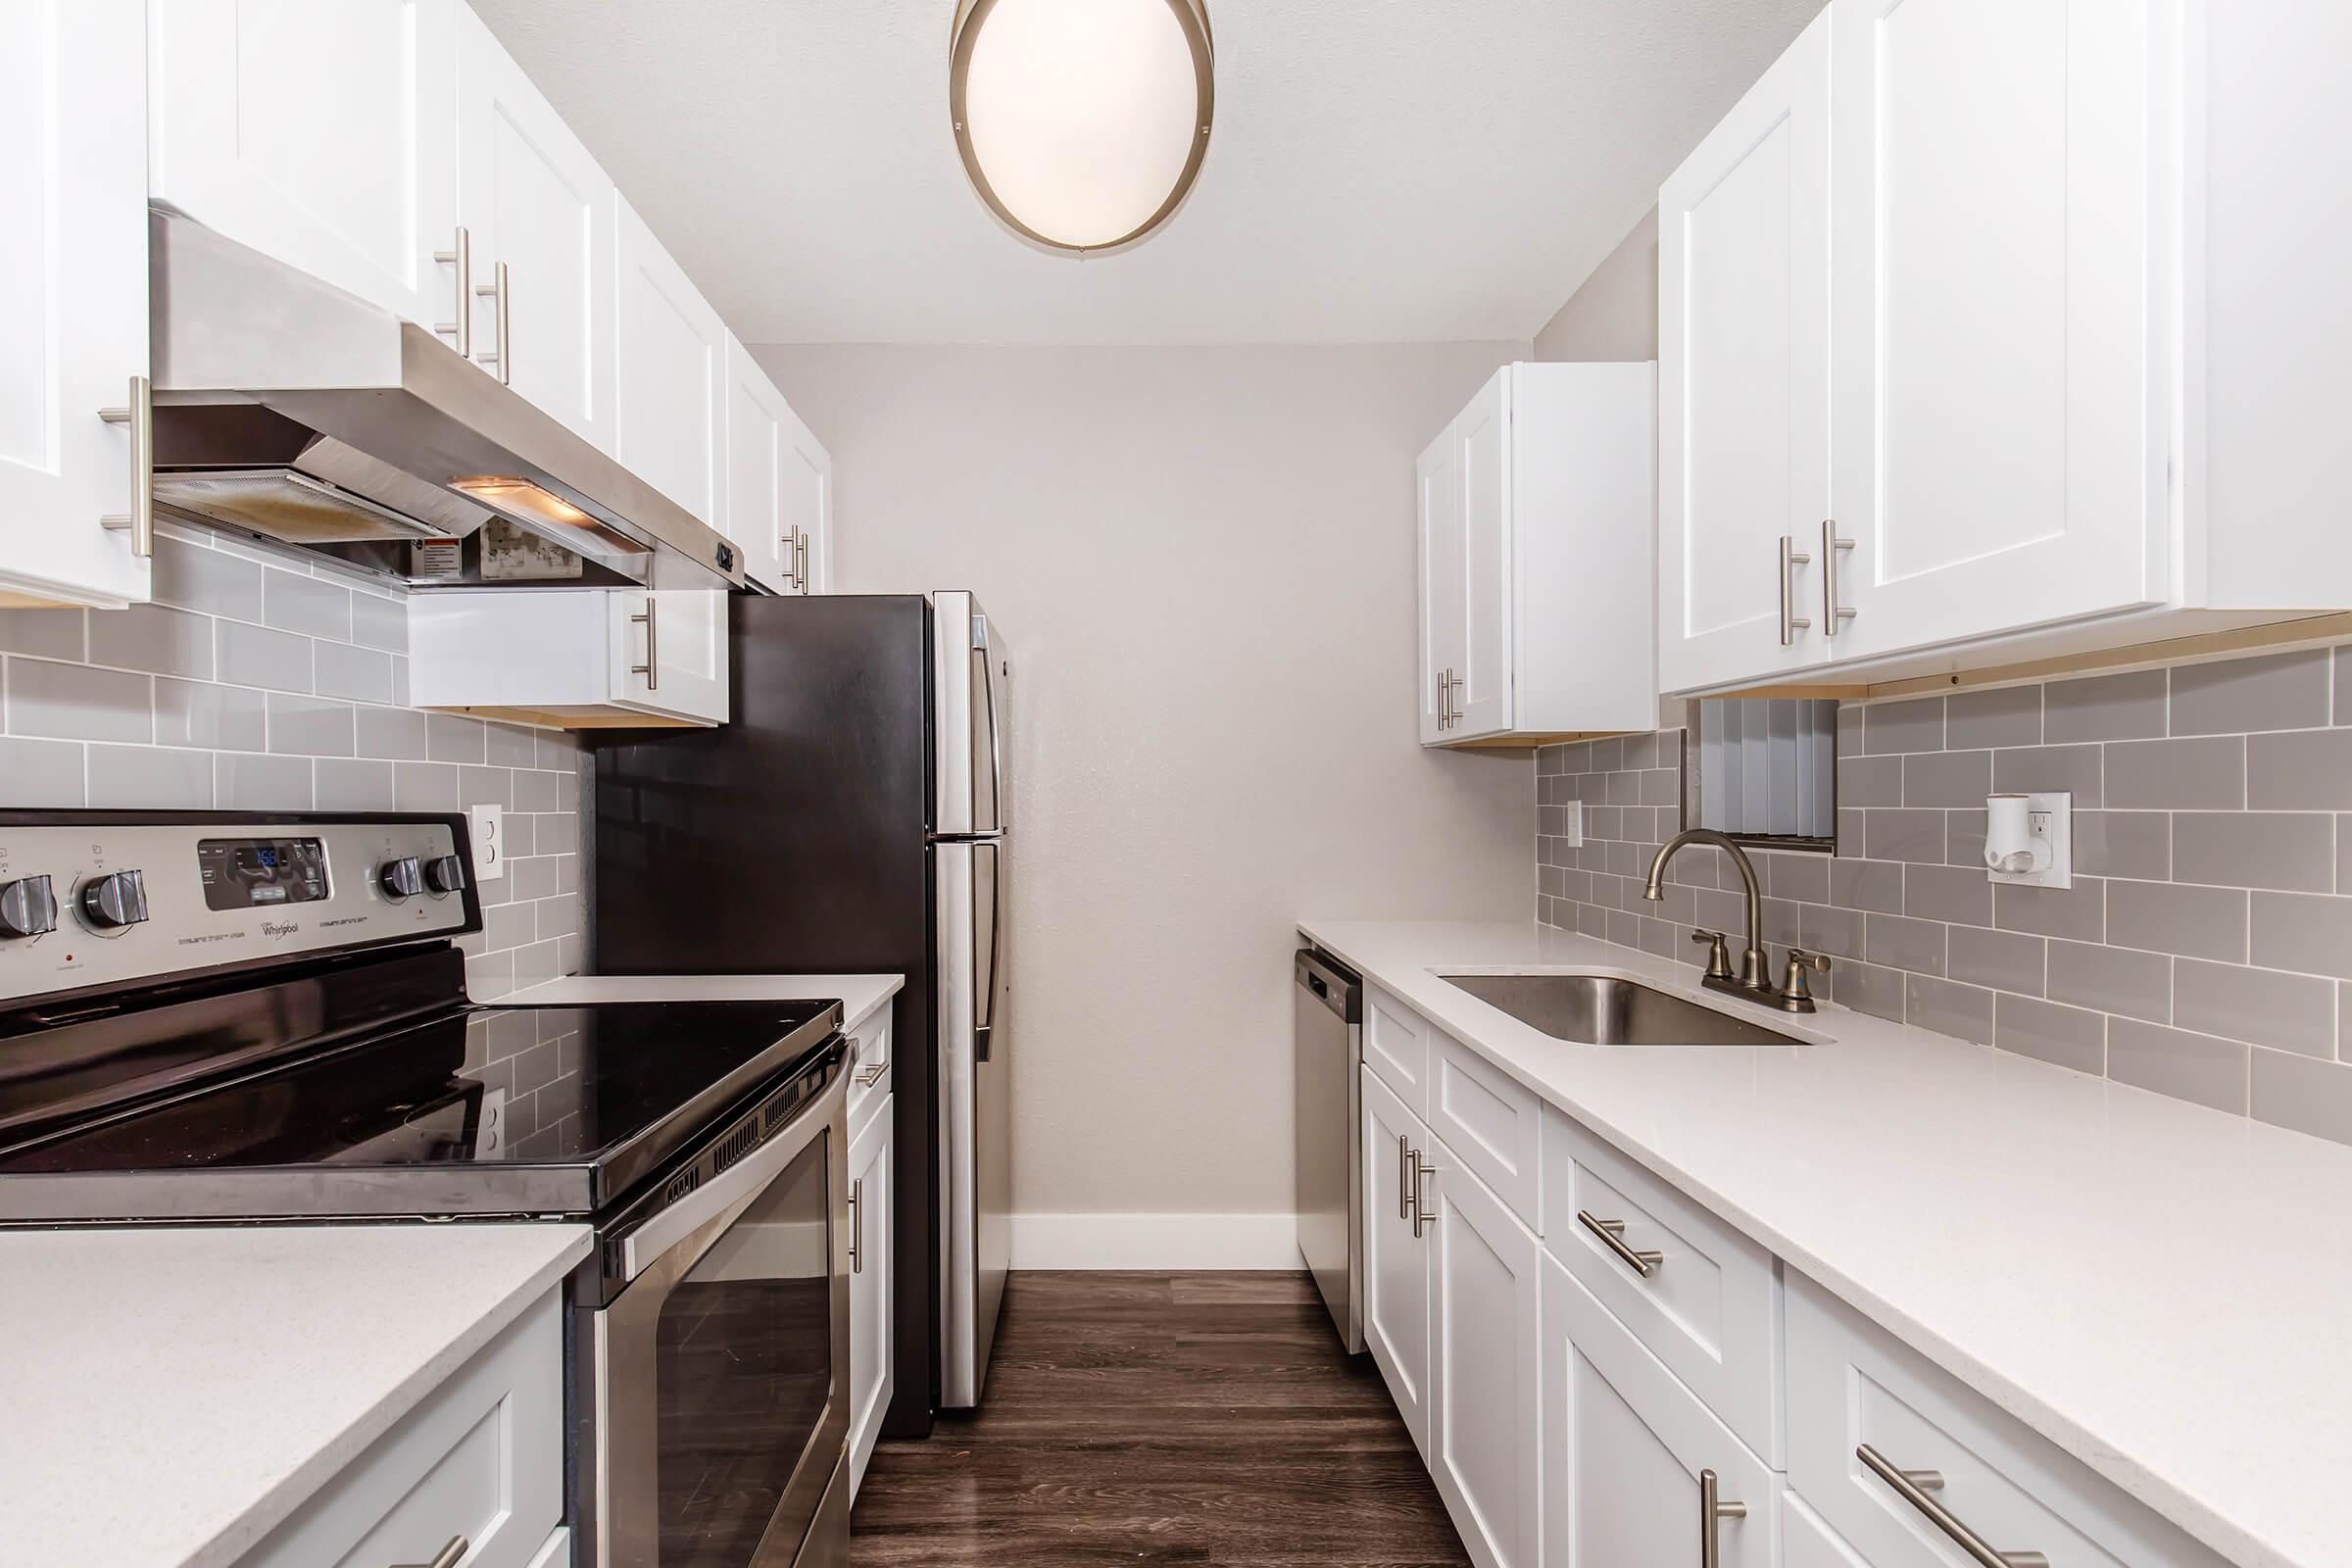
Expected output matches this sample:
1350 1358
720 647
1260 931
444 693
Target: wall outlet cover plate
488 830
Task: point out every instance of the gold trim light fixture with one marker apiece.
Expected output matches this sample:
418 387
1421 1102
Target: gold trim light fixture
1082 123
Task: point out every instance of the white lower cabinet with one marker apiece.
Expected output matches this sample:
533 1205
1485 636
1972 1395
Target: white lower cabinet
1905 1461
574 658
481 1460
871 1370
1484 1276
1630 1458
1807 1542
1396 1262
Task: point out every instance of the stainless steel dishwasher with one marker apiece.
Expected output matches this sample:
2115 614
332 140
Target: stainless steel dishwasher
1328 1043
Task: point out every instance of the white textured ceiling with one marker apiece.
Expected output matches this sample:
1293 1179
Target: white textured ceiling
1382 171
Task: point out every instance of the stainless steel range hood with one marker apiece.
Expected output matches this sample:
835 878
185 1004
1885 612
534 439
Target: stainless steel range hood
292 413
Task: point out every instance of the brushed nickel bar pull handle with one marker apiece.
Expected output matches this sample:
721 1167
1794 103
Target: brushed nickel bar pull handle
448 1557
1913 1486
858 1226
461 257
1612 1236
1421 1214
1455 681
1712 1511
1790 623
1831 547
651 669
871 1074
140 417
800 570
503 355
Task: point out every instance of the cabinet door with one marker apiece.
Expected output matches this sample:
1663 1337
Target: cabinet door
809 505
755 465
1438 500
668 652
73 295
1482 444
1395 1259
670 355
2001 401
1627 1451
536 204
322 134
870 1353
1484 1427
1744 380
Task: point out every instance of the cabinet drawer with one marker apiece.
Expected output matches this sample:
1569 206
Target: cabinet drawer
1493 1123
1852 1387
1629 1454
869 1067
482 1457
1397 1045
1710 1306
1807 1542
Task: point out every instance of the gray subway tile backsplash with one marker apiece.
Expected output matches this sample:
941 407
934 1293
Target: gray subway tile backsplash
2205 950
252 683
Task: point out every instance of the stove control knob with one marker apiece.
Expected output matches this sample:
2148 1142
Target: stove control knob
401 878
112 901
445 873
27 908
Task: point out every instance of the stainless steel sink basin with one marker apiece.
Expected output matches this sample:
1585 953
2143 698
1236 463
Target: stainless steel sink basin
1599 1010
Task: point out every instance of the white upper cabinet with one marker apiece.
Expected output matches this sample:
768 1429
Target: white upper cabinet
1744 379
668 652
671 352
539 217
1534 516
2012 318
573 657
2002 423
72 297
322 134
779 501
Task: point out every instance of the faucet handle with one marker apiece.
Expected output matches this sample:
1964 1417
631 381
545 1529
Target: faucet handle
1798 988
1719 955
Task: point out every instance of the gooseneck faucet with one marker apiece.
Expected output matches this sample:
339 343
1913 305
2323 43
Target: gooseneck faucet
1754 973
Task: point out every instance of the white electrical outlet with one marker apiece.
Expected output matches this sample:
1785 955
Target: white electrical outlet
2030 840
489 834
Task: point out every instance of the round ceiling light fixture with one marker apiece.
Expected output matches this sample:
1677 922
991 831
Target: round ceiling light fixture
1082 123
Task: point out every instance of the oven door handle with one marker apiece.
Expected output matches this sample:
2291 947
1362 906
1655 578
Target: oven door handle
737 1185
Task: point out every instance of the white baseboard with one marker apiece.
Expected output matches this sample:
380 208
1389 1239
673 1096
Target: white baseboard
1155 1241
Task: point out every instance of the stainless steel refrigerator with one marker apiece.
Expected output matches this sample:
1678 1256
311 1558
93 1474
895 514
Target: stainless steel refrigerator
851 817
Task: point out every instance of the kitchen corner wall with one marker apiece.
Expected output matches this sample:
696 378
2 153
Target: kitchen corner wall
252 683
1203 561
2204 950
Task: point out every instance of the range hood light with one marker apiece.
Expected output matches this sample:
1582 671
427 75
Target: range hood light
524 501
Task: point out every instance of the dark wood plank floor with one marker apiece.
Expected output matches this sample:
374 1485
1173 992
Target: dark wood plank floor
1179 1418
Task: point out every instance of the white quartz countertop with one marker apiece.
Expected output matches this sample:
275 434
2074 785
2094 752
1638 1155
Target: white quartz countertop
2162 1289
858 993
168 1396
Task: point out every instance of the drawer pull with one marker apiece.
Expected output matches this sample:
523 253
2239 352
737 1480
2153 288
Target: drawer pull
871 1074
1612 1236
1712 1511
448 1556
1913 1486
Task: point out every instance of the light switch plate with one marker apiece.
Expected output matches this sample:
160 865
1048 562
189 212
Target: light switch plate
489 833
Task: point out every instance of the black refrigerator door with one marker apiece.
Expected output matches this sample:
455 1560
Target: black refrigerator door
794 839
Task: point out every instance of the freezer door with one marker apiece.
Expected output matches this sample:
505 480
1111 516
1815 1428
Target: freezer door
972 681
975 1198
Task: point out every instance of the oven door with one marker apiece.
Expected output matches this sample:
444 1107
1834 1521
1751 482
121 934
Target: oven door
721 1411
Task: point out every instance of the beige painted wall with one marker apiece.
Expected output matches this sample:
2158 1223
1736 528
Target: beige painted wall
1614 313
1204 559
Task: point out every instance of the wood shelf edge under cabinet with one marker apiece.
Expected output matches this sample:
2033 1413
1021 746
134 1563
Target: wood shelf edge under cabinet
569 718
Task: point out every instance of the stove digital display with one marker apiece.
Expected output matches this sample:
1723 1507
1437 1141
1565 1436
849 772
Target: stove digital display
258 874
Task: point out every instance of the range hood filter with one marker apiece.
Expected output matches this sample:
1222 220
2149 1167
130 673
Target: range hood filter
284 505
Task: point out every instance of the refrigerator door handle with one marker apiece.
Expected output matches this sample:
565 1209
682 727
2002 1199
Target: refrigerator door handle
995 733
984 981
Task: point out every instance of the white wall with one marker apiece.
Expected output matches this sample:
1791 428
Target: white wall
1203 560
1613 315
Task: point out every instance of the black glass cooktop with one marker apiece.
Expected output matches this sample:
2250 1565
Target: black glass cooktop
480 1110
